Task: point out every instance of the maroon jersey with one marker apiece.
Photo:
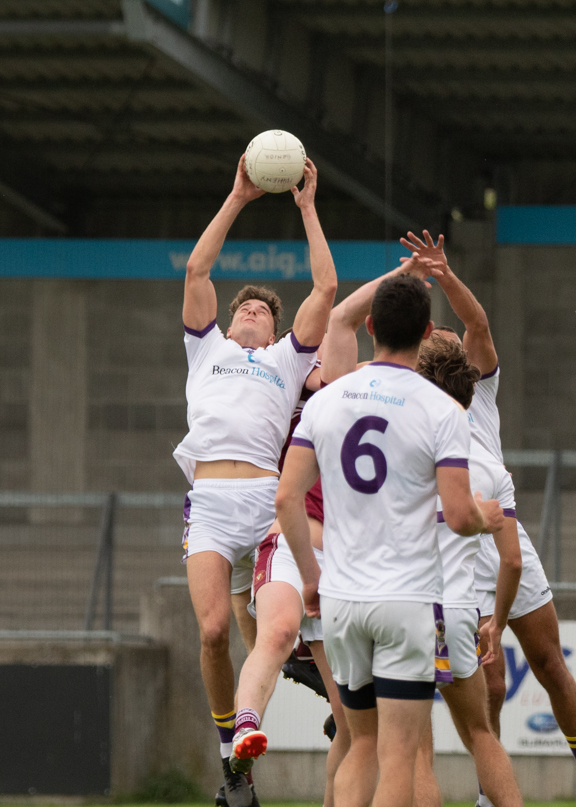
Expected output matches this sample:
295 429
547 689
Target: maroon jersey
314 502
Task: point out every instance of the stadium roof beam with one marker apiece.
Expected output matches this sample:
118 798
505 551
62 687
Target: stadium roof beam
333 152
31 209
424 14
191 117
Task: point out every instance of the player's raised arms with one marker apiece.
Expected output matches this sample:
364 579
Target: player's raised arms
477 341
199 293
340 348
312 316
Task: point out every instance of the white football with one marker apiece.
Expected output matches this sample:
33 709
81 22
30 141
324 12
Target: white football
275 161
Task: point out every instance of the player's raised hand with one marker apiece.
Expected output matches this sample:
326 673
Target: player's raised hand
490 638
244 189
426 248
305 197
491 512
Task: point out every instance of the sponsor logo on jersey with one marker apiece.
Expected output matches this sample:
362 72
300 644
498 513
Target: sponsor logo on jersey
542 722
374 396
257 371
252 357
375 382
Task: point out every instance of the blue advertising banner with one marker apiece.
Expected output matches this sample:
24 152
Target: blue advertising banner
135 259
536 224
177 10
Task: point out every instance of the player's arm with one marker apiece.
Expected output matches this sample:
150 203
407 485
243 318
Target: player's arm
299 473
199 292
478 341
508 546
466 514
340 348
310 322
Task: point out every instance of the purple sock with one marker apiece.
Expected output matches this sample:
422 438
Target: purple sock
225 726
572 743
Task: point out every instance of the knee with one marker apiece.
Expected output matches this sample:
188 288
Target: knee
215 638
550 669
279 639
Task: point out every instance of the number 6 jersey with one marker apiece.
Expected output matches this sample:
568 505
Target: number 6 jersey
379 434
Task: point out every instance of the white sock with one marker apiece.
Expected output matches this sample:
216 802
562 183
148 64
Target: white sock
225 750
484 801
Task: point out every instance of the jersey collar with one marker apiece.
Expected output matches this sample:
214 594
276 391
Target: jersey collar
390 364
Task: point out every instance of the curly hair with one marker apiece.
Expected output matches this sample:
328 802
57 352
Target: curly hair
259 293
446 364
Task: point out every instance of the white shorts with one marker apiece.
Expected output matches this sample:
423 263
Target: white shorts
463 640
391 640
534 589
230 517
275 564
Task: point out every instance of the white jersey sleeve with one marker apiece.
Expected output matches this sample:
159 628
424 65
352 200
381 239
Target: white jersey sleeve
483 414
453 440
199 344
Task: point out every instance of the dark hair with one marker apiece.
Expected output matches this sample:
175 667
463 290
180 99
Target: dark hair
400 312
445 328
259 293
445 364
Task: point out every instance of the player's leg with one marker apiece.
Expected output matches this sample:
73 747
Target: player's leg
209 583
278 615
357 774
495 677
466 698
539 638
341 742
426 789
401 724
209 576
245 621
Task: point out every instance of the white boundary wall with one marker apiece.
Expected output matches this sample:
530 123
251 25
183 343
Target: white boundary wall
295 715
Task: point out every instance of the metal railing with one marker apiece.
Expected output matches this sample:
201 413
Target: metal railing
551 516
109 504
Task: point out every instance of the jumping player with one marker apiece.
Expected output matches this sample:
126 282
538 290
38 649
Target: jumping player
533 616
382 430
241 392
445 364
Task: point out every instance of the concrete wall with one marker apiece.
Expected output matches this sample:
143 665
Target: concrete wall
138 694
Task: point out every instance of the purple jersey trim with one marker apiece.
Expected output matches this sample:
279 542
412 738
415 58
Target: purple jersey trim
391 364
440 517
201 334
509 512
302 348
299 441
452 463
489 375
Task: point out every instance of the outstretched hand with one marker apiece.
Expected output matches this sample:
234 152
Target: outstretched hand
244 189
305 197
426 248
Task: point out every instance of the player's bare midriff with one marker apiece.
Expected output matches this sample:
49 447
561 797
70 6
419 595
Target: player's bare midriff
230 469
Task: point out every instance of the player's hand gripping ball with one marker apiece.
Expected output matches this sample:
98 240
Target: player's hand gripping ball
275 161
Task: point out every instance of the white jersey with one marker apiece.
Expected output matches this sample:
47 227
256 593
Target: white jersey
240 400
458 553
379 434
483 414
